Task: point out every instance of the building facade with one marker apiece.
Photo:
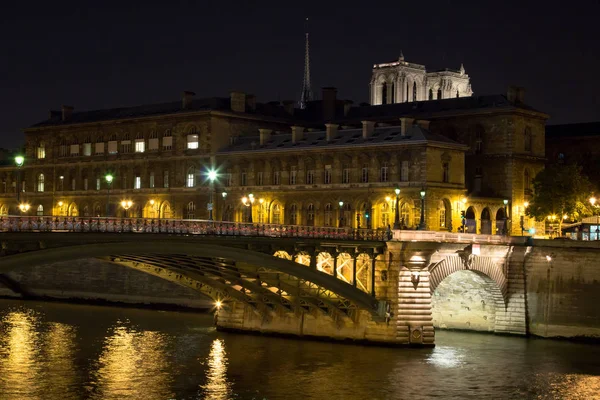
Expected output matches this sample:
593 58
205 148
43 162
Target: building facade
401 81
331 164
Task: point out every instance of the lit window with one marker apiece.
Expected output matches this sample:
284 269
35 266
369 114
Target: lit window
98 183
151 185
41 150
192 141
40 210
138 182
191 178
140 145
40 183
191 208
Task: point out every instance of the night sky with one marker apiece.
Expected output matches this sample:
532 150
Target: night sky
125 53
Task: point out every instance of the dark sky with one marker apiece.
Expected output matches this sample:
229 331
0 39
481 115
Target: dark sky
127 53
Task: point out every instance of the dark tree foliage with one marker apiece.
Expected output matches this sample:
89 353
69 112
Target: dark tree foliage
560 190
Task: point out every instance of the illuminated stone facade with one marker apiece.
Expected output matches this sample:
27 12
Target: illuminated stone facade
466 154
401 81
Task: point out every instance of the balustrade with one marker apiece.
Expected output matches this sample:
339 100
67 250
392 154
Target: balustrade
182 226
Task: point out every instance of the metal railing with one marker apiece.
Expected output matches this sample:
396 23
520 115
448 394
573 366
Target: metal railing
183 226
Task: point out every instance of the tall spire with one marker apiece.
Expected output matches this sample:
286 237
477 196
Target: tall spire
306 90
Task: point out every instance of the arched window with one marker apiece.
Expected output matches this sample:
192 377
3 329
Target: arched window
310 215
191 178
190 209
276 214
40 210
347 215
328 216
405 215
385 214
414 91
293 214
40 183
430 94
384 93
442 211
528 139
439 94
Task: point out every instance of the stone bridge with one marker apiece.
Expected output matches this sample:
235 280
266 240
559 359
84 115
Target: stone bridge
359 287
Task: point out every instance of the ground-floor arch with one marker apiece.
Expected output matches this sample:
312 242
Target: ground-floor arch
486 222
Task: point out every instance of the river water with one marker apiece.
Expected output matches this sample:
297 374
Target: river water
62 351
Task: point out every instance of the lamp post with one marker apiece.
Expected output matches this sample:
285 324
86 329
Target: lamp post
422 220
19 160
248 202
504 227
212 176
126 204
396 211
62 182
341 204
24 207
109 179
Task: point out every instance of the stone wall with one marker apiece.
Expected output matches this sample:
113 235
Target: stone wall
563 289
95 280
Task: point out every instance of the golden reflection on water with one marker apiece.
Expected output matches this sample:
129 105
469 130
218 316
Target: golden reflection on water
133 365
217 386
60 375
19 355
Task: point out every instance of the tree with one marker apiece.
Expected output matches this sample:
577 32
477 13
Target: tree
560 190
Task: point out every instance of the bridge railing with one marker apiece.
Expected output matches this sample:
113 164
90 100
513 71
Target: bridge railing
182 226
451 237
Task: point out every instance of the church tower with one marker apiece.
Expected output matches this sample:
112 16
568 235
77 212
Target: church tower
306 95
401 81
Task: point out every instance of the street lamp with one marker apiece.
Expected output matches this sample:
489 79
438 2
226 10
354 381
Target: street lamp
109 179
24 207
505 228
248 202
126 204
396 211
422 220
212 176
19 160
341 204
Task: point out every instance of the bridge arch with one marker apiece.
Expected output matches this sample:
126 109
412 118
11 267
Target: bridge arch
256 278
471 295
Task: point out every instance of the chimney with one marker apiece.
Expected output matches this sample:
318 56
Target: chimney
251 102
67 113
423 123
405 124
238 101
328 101
186 99
265 135
516 94
368 127
288 107
331 131
297 133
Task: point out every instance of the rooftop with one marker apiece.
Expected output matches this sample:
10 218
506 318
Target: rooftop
343 138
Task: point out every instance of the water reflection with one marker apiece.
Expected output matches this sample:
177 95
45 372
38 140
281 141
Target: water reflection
59 352
446 357
20 355
217 387
133 365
